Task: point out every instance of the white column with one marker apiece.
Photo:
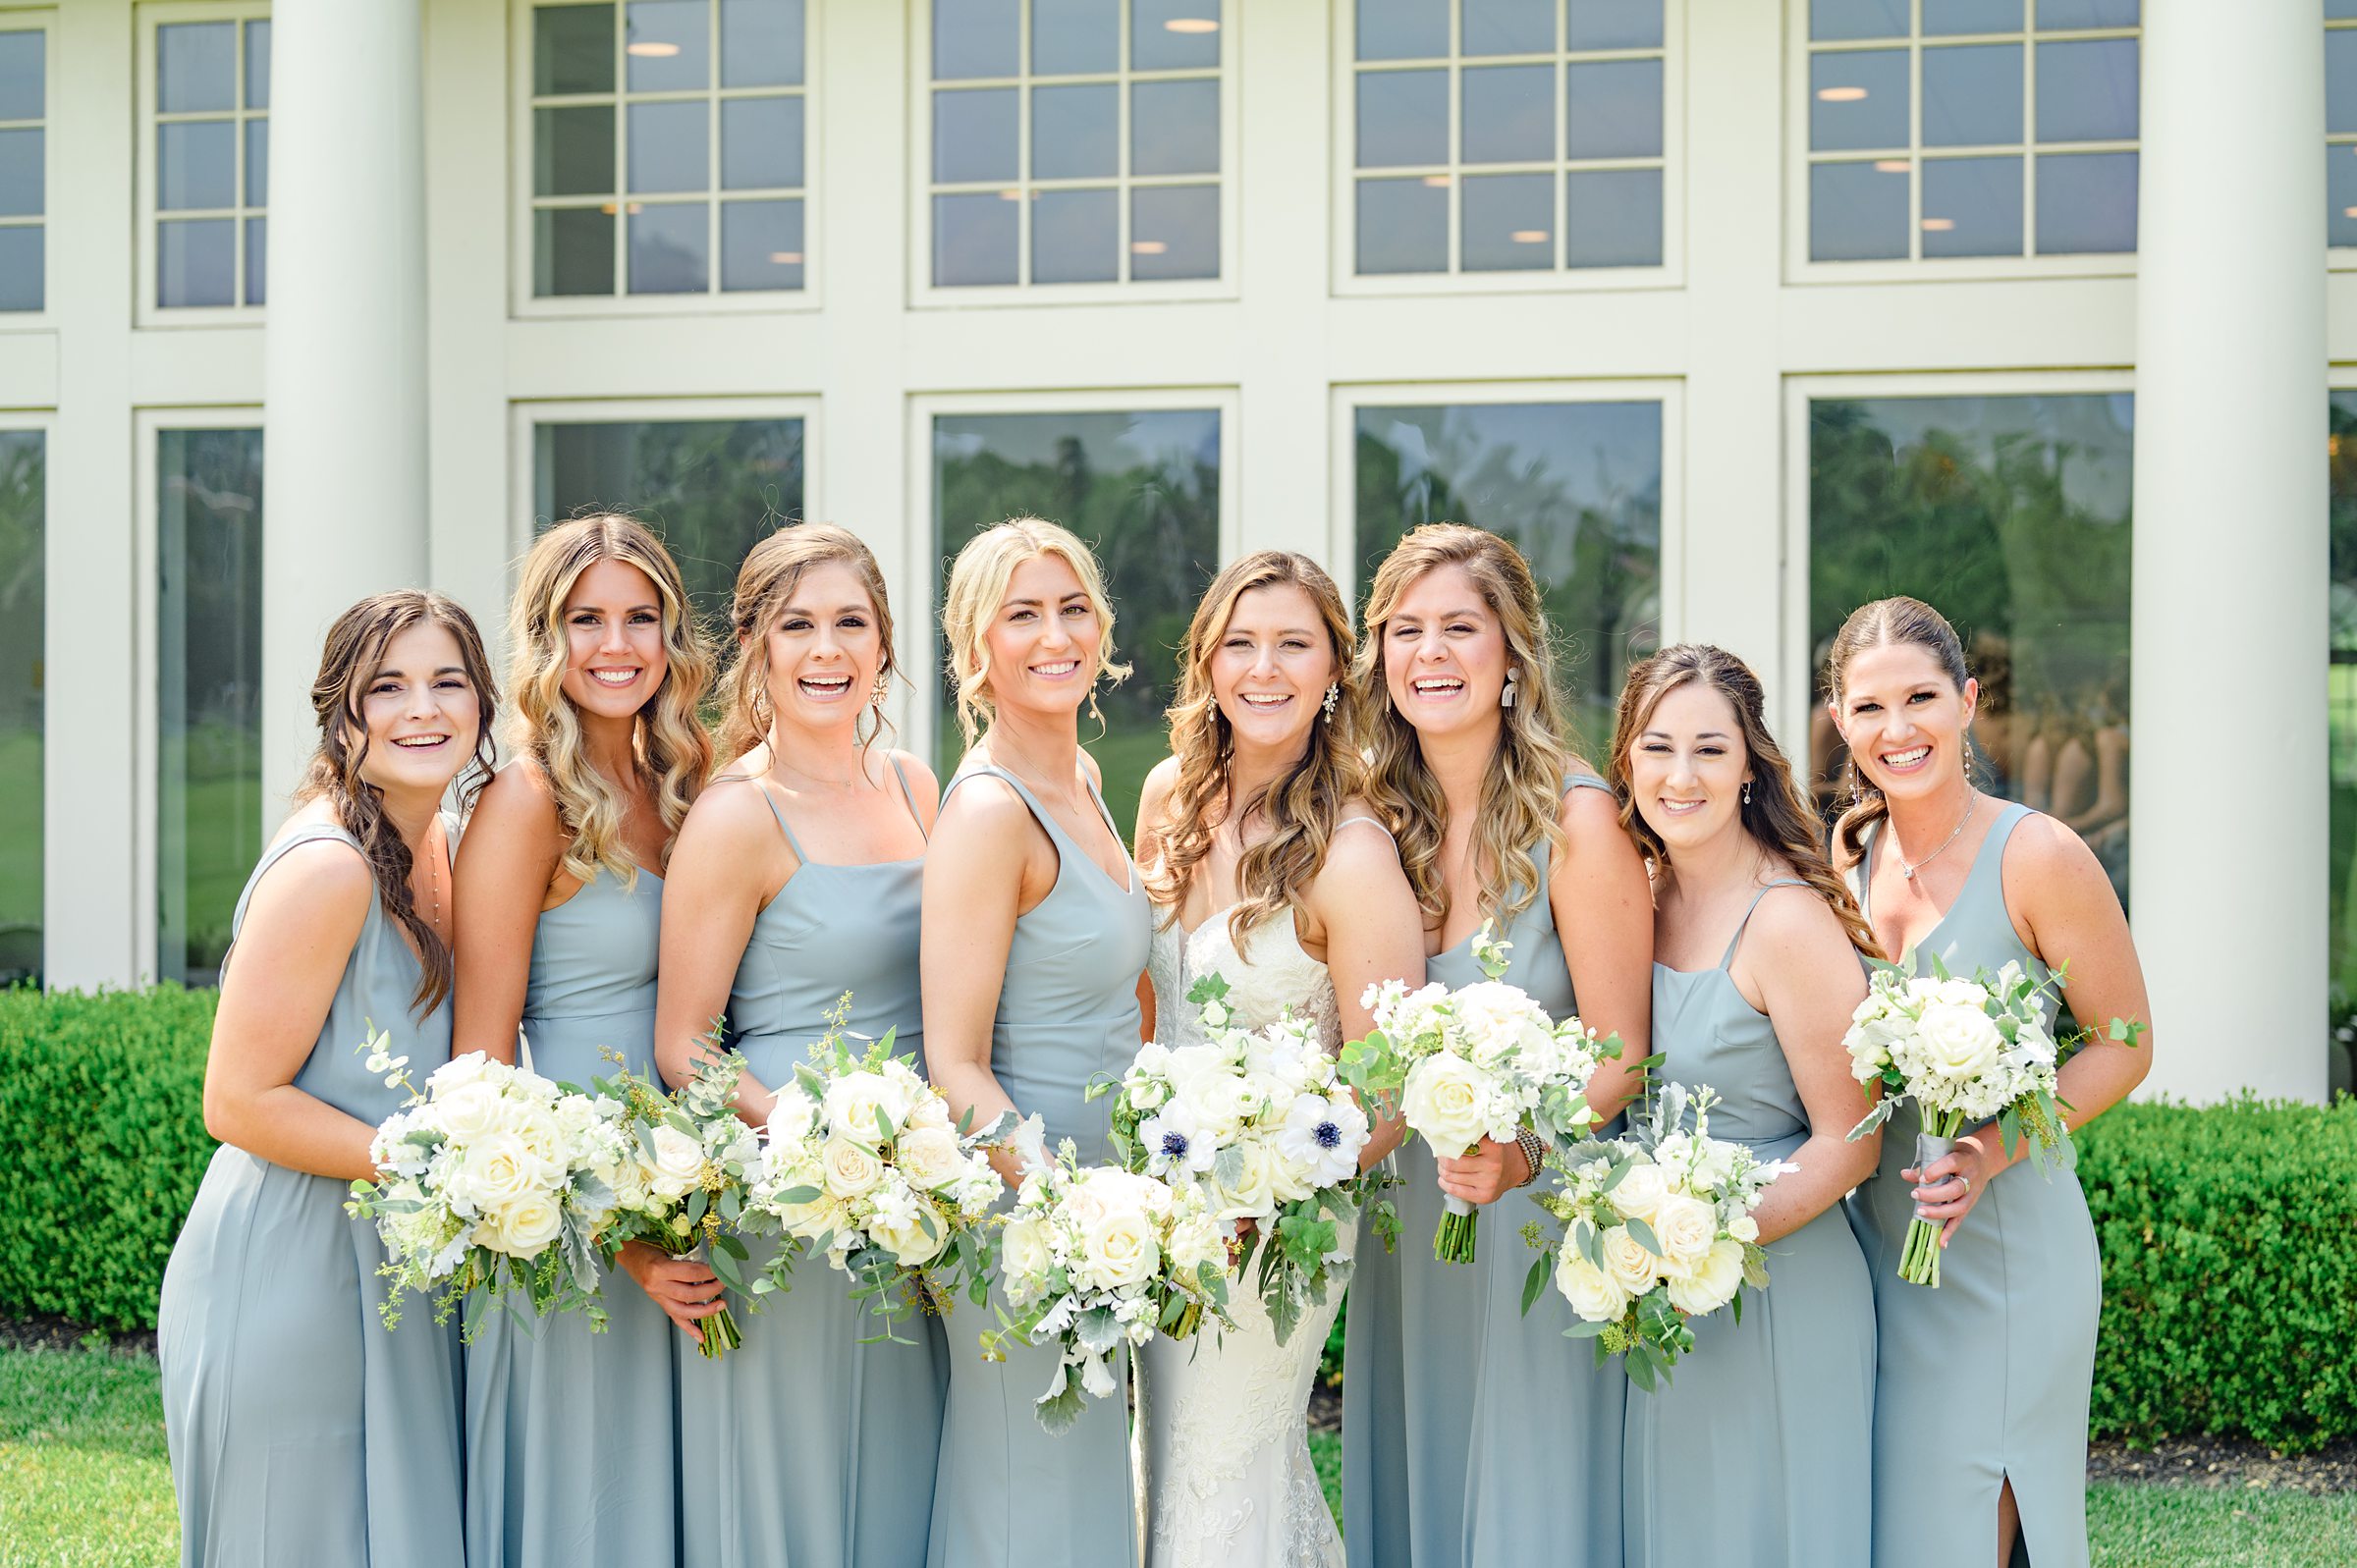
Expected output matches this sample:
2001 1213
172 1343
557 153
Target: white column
343 415
2228 775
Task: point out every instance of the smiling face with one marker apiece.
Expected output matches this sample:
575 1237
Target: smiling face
1687 767
1272 665
1043 643
1444 653
615 657
422 713
1903 720
824 648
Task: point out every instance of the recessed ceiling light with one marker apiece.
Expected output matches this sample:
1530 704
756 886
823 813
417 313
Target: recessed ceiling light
1147 247
1891 166
1840 95
1938 224
1440 181
651 49
1190 25
1530 237
1011 195
786 259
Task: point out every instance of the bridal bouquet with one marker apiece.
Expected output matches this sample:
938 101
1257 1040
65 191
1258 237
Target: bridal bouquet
1482 1061
486 1181
1964 1050
1259 1120
1657 1229
860 1161
1098 1257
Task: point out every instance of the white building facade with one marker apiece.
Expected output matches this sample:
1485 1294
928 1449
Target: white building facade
1732 313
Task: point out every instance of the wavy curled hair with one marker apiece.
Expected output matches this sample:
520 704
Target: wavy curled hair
765 584
1776 815
977 586
671 751
354 653
1521 790
1880 625
1301 804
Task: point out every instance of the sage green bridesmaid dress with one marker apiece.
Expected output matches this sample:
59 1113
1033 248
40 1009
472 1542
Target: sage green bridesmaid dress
1471 1433
1987 1378
802 1447
571 1445
1754 1454
303 1431
1011 1494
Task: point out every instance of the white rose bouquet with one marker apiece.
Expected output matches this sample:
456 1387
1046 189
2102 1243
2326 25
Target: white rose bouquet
1098 1259
1964 1050
1656 1228
1482 1061
860 1161
487 1181
1260 1120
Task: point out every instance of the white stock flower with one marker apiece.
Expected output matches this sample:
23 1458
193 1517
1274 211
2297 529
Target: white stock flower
1197 1241
931 1156
1594 1294
1446 1101
1712 1284
850 1168
1957 1043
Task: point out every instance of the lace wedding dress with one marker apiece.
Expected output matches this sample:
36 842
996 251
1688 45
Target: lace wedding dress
1224 1417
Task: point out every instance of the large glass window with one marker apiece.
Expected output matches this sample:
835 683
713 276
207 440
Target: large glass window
2012 517
23 587
23 168
208 689
1971 127
1075 141
2341 123
1576 486
1143 489
1507 136
210 147
669 150
2342 673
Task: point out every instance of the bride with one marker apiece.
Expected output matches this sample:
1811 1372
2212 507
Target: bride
1265 867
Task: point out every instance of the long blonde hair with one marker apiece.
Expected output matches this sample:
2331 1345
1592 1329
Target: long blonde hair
672 753
1302 804
772 570
1521 791
977 585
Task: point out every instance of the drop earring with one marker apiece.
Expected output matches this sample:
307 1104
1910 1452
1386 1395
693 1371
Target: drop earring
1334 694
882 692
1505 697
1748 792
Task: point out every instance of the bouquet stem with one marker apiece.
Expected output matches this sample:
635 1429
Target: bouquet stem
1919 1259
716 1335
1461 1226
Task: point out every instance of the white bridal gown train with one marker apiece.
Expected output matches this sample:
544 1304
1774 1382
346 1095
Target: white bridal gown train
1224 1418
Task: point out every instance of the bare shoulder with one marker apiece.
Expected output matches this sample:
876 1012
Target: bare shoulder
921 781
1096 775
1585 812
1795 920
2049 865
1153 796
323 884
519 799
983 803
730 811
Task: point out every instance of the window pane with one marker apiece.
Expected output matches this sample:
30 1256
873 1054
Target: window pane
669 45
2086 202
761 143
573 49
1972 207
196 165
1402 30
1173 128
2053 14
2012 517
1075 236
1577 487
1972 96
21 69
21 271
258 64
208 683
2342 675
974 135
1143 490
761 244
1857 19
572 251
1508 222
22 606
1941 17
667 248
2340 80
1508 26
975 239
1402 225
760 43
572 151
196 67
973 38
1077 131
258 163
1857 212
22 171
1509 114
1614 109
257 260
1403 118
2087 90
711 488
2341 10
196 262
1173 34
1612 218
1173 232
1858 99
1074 35
1615 25
668 146
2340 195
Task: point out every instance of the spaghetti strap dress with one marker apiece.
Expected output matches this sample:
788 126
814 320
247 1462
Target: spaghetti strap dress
1472 1434
1986 1378
1011 1494
1750 1457
802 1447
303 1431
571 1445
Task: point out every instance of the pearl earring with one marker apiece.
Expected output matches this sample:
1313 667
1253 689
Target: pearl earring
1334 694
1505 697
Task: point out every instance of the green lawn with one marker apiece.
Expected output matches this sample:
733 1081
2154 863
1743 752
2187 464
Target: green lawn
83 1484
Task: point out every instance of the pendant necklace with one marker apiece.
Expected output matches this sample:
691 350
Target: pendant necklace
1908 871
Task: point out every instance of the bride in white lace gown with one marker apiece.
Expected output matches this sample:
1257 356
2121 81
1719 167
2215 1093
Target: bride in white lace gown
1314 883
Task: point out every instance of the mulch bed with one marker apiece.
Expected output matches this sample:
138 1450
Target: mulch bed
56 1334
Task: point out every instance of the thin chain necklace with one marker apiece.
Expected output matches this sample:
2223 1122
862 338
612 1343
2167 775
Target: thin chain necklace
1972 802
434 882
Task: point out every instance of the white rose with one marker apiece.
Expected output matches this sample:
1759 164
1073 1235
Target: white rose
1686 1228
1500 1019
1713 1282
909 1240
793 1115
1197 1241
468 1112
455 1072
854 1099
1628 1263
1639 1193
1958 1042
529 1224
850 1168
930 1157
931 1111
1120 1249
1594 1294
1743 1228
1444 1102
679 1163
1253 1195
1084 1202
1025 1253
499 1170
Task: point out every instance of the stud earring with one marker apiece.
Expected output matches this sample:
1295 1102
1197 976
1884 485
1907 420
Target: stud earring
1505 697
1334 694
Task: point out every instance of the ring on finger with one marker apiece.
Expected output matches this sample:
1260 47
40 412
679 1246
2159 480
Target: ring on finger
1958 1175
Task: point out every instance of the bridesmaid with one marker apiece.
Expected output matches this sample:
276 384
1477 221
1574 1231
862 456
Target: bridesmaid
1982 1386
797 878
570 1433
1036 932
1752 1455
1471 1431
299 1426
